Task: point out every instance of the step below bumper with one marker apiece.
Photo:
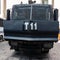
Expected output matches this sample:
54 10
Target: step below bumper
54 39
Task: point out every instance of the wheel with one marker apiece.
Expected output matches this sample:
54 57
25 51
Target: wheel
16 49
45 51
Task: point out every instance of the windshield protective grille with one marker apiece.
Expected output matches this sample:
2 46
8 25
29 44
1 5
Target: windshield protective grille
30 13
39 13
21 13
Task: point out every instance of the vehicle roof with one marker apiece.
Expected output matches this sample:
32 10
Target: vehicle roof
39 5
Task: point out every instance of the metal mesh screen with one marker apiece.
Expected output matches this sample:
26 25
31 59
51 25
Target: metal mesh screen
39 13
23 12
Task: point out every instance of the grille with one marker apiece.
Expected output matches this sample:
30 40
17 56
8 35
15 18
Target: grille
31 12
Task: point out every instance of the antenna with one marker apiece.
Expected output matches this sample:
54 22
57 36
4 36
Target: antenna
31 2
21 2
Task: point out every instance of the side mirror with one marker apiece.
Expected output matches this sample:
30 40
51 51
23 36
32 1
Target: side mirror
1 22
56 15
8 14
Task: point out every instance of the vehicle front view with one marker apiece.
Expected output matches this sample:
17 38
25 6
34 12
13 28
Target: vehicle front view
31 27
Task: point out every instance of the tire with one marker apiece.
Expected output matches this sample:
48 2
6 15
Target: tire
17 49
46 51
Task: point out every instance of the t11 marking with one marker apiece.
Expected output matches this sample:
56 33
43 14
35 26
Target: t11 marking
33 26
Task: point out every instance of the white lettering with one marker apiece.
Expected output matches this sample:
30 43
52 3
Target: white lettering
26 25
35 26
32 26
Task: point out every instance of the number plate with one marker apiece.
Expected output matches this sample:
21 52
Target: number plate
30 26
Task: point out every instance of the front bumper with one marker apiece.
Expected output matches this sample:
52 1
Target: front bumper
30 39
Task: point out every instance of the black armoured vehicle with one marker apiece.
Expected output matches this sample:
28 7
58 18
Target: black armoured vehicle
31 27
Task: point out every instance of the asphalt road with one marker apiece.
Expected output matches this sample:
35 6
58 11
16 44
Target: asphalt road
7 54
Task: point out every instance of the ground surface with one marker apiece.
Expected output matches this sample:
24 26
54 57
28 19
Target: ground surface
7 54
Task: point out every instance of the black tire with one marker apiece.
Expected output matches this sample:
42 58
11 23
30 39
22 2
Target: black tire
17 49
46 51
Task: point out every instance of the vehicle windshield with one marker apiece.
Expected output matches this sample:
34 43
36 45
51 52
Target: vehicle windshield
31 13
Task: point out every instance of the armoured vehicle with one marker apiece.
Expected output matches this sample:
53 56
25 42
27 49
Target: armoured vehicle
31 27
